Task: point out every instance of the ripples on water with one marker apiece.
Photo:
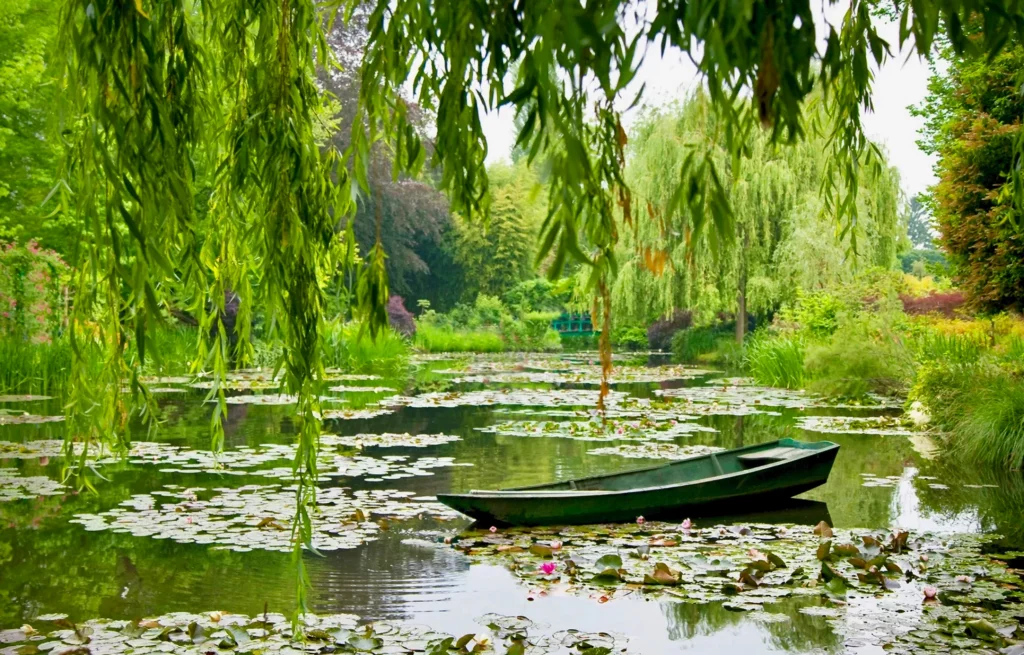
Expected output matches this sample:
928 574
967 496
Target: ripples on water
48 565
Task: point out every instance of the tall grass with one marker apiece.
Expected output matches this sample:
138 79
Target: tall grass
982 412
34 368
345 348
776 361
950 348
438 339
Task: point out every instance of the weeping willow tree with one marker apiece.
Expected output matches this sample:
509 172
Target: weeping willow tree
159 94
782 239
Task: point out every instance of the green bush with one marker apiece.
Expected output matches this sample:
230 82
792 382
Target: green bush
817 313
950 348
689 345
631 338
775 360
859 359
532 331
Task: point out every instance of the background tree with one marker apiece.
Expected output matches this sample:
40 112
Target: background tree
497 257
414 217
972 122
29 153
783 237
919 225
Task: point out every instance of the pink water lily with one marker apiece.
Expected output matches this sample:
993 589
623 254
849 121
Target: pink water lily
929 592
493 529
754 553
639 520
556 545
687 524
548 567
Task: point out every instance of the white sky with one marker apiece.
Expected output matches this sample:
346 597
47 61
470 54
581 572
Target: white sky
901 82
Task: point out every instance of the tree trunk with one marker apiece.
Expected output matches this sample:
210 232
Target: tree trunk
741 295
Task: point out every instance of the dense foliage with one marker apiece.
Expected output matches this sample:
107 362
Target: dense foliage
973 114
782 241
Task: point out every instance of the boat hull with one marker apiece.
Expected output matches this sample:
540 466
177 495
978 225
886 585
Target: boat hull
749 490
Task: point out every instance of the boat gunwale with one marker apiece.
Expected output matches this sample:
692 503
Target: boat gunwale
583 493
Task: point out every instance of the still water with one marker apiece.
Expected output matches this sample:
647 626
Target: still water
48 564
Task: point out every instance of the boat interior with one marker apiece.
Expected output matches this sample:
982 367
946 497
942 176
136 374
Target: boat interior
690 470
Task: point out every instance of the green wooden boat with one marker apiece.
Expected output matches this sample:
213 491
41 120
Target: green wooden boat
725 482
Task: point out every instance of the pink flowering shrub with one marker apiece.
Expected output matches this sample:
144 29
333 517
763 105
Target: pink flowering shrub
33 292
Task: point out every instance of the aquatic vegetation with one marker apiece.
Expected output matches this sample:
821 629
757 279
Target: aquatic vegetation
261 399
14 486
586 374
527 397
334 374
259 517
749 398
24 398
598 429
352 414
388 440
656 450
878 425
15 417
344 388
869 586
183 633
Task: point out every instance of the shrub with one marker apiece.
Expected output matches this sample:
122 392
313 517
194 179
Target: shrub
858 359
949 348
945 304
689 345
630 338
775 360
489 310
399 317
814 313
660 332
530 332
32 292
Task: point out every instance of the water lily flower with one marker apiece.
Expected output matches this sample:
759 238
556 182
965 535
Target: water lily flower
447 540
963 578
687 524
929 592
639 520
754 553
493 529
556 545
924 557
548 567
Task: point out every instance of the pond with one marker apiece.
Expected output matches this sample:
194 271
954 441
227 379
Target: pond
174 529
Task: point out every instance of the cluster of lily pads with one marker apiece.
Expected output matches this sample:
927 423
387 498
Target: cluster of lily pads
527 397
14 486
899 591
597 429
17 417
585 374
655 450
875 425
182 633
388 440
260 517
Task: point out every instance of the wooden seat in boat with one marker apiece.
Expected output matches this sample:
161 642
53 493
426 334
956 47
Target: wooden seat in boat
762 457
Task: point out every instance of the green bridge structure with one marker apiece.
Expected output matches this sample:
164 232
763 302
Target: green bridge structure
574 324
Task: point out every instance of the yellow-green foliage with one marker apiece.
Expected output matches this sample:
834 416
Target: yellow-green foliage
781 240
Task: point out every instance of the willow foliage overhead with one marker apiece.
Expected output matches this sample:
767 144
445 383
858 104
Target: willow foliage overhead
782 240
162 93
